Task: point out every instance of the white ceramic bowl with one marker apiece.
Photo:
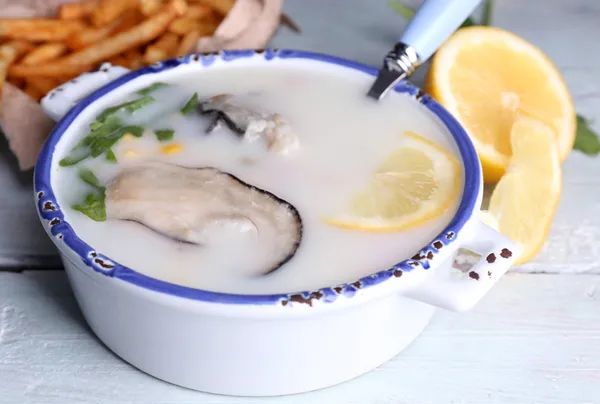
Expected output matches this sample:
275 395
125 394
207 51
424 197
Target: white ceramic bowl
263 344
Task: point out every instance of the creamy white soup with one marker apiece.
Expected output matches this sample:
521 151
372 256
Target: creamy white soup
221 180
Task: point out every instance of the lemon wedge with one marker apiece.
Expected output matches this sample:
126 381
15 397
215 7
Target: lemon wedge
525 199
416 182
489 78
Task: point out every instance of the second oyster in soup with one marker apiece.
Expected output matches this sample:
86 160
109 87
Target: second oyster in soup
207 207
250 123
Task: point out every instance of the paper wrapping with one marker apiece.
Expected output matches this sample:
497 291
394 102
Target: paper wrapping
249 24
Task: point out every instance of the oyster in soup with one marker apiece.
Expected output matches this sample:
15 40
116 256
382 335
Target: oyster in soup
205 206
252 125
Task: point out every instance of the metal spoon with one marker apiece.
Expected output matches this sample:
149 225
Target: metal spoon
431 25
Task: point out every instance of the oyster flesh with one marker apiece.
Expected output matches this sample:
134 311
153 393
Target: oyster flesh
205 206
275 131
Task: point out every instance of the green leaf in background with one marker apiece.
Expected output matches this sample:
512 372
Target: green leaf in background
586 140
401 9
408 13
487 13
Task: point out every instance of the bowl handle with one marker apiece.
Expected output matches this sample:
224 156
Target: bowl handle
446 290
60 100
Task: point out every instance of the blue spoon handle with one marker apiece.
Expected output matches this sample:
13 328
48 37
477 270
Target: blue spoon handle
431 25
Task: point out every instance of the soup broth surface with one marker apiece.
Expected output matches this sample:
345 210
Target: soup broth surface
343 136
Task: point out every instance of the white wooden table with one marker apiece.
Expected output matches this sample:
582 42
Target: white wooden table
534 339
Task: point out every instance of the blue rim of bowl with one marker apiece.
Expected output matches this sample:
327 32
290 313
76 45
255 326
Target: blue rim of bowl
50 211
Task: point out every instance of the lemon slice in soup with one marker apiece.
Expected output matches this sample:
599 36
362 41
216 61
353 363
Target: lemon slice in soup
415 183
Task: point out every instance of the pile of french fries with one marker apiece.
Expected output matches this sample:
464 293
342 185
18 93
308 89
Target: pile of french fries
39 54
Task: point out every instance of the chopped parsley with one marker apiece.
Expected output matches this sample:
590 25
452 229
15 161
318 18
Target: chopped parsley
99 145
164 135
190 105
90 178
110 156
93 207
129 106
151 88
75 156
105 132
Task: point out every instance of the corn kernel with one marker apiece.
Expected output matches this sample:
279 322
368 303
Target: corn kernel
131 154
171 148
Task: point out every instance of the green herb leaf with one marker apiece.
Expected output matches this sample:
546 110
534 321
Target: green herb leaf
93 207
151 88
164 135
96 125
110 156
109 126
136 131
586 140
190 105
137 104
90 178
105 132
75 156
130 106
99 145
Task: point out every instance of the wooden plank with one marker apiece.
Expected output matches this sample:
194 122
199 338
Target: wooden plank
534 339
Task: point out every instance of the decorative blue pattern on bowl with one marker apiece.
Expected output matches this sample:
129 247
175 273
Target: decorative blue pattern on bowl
51 212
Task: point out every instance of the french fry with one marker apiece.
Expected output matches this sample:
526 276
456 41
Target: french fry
179 7
119 61
18 82
91 35
43 53
135 59
130 19
154 54
220 6
69 11
12 50
33 93
188 43
109 10
168 43
42 84
39 29
206 28
150 7
163 48
182 25
198 11
56 69
9 52
108 47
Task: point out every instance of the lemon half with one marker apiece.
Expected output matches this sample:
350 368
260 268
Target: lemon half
489 78
415 183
